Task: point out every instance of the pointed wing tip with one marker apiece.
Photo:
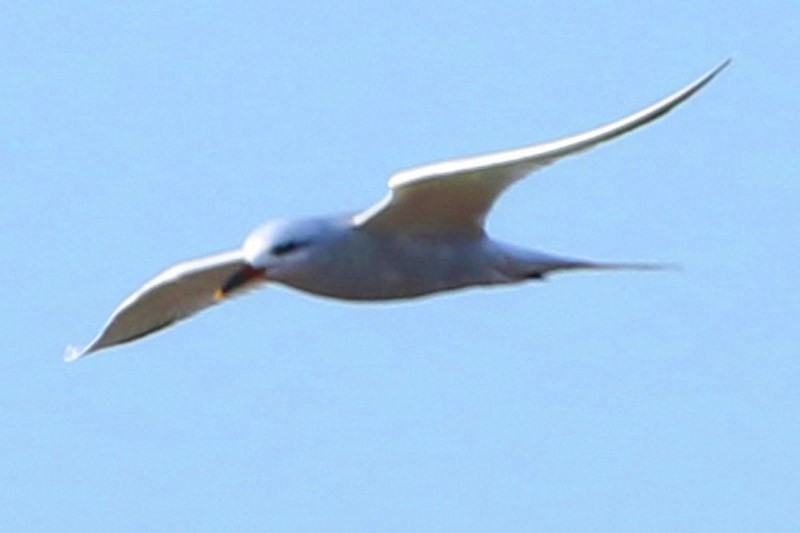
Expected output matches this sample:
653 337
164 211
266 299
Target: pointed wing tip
73 353
719 68
710 75
701 82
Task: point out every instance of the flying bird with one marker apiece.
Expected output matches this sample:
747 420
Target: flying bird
426 236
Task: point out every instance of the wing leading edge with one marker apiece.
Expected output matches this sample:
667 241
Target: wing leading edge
454 197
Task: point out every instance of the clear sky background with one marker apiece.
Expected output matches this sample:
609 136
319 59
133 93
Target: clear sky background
134 135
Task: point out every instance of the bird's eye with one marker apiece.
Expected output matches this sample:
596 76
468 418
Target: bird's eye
286 247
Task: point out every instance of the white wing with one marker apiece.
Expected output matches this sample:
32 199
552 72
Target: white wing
453 197
175 294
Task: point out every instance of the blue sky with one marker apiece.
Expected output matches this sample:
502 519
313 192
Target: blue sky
135 135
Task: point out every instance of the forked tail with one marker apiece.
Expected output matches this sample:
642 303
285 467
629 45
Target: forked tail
598 265
536 264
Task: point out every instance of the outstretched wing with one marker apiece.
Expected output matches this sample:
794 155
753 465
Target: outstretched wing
175 294
453 197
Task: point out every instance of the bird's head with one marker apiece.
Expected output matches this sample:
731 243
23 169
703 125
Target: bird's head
273 250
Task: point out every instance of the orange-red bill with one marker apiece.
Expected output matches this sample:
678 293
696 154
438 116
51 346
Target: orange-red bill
242 277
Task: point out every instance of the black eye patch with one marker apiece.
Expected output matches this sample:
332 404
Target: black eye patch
286 247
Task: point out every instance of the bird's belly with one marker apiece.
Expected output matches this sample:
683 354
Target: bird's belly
375 287
398 272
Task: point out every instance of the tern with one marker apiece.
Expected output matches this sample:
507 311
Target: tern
426 236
